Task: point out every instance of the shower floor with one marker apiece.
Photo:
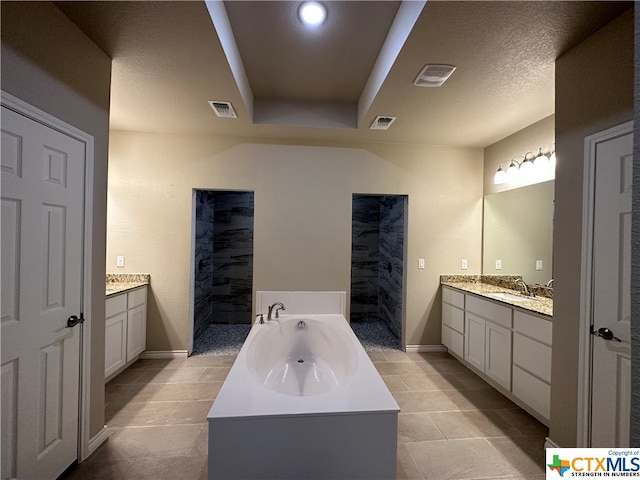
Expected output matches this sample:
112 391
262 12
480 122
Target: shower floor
375 337
221 339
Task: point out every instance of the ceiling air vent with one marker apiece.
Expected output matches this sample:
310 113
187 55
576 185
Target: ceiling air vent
223 109
433 75
382 122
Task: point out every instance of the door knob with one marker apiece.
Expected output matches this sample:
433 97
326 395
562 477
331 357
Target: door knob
606 334
72 321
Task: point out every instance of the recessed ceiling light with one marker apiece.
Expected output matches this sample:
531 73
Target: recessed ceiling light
312 13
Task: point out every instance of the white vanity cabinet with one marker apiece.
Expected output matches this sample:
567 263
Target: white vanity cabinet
125 329
532 361
136 322
115 334
453 320
488 339
507 346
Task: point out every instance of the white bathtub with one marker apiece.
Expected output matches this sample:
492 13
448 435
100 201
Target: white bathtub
302 356
303 401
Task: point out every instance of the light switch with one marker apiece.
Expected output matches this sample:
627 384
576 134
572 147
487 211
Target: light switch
421 263
464 264
498 264
538 264
120 261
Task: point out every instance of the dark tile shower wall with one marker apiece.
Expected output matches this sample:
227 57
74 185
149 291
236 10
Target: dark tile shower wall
391 263
365 258
203 262
232 257
377 260
223 258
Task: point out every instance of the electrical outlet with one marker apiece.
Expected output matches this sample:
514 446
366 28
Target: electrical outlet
120 261
421 263
464 264
538 264
498 264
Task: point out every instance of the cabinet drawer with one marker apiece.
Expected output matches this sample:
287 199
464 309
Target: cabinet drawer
532 356
531 390
137 297
114 305
489 310
453 297
453 317
453 340
535 327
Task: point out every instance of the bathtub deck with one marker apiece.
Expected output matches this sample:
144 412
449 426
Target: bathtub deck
343 446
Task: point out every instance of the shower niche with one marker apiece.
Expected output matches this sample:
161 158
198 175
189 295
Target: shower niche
222 259
378 260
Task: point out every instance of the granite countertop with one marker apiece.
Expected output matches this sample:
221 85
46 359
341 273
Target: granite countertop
485 285
123 282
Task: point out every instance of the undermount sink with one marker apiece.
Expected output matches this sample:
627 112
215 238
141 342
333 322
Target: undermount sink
507 296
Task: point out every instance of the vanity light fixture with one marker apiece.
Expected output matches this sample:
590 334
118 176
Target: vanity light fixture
541 160
508 173
539 168
513 172
527 166
312 14
552 158
500 177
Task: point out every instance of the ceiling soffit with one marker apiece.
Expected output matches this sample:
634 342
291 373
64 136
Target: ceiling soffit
168 61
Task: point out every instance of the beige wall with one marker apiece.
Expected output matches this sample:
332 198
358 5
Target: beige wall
48 62
302 216
594 91
529 139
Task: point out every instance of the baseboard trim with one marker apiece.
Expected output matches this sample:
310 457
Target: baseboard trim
548 443
164 354
425 348
95 442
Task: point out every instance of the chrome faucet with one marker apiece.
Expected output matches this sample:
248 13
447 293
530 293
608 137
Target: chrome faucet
277 306
550 283
523 287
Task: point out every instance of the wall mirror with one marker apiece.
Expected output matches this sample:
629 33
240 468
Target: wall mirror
518 233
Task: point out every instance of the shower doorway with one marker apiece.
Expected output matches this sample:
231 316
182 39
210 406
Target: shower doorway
221 269
378 265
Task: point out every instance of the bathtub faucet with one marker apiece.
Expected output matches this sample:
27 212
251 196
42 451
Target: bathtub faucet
277 306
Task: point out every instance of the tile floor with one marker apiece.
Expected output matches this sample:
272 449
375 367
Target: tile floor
453 425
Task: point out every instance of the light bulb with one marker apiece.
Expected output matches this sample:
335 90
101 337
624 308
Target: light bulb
513 172
500 177
526 167
541 160
312 13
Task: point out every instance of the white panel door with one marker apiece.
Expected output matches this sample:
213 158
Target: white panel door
611 382
42 228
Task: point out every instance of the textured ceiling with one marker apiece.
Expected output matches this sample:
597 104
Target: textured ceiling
168 61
